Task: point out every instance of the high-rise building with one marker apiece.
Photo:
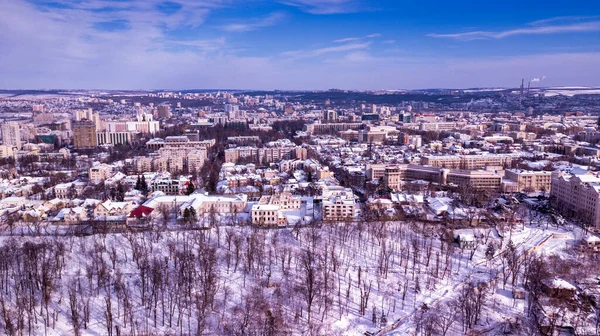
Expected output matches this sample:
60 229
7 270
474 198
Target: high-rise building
163 111
330 115
88 114
11 135
84 134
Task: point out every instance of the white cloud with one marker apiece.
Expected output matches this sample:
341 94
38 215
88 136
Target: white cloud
271 20
350 39
326 6
564 19
535 30
293 55
60 49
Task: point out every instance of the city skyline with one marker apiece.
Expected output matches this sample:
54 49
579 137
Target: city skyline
296 44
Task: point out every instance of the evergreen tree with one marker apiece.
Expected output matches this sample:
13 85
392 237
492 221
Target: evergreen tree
120 193
186 214
138 183
143 184
190 189
189 215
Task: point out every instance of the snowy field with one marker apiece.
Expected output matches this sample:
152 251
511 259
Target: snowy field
336 279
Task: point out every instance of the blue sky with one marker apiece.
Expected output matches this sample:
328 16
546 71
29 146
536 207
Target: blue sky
297 44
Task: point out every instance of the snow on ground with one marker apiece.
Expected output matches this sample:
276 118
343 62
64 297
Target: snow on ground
360 271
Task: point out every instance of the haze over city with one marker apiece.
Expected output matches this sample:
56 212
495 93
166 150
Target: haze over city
297 44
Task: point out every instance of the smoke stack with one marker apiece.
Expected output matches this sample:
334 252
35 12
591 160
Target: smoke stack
522 83
528 87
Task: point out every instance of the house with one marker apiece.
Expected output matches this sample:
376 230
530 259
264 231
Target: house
12 202
139 214
266 215
72 215
591 243
558 288
465 239
113 209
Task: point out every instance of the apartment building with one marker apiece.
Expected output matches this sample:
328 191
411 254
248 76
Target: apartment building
267 215
284 201
99 173
577 196
144 123
468 161
474 179
339 203
394 176
84 134
142 164
173 160
441 126
172 142
332 127
167 186
116 138
516 180
11 135
267 154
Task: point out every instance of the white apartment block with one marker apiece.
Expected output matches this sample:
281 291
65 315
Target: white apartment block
266 215
339 203
577 196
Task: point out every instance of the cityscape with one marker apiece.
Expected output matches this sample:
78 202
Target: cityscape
298 167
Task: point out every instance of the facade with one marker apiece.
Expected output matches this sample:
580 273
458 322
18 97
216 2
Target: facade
394 176
165 185
266 154
332 127
113 209
178 142
330 115
524 180
84 134
144 123
88 114
577 196
441 126
284 201
116 138
142 164
266 215
339 203
468 161
475 179
11 135
163 111
99 173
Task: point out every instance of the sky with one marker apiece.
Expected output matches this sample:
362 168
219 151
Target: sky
297 44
